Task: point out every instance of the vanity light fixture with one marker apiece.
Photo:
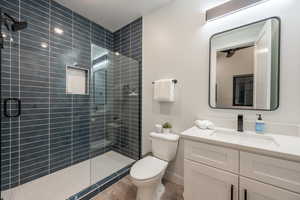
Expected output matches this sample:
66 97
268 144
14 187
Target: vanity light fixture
58 31
230 7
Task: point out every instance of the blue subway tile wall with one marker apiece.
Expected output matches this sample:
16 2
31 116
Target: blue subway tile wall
60 103
34 145
55 128
128 42
80 103
10 126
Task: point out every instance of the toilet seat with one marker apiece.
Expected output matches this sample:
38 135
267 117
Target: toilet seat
148 168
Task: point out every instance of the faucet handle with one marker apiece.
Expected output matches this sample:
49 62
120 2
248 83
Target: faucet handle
240 123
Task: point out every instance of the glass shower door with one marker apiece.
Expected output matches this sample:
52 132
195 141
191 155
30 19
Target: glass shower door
114 113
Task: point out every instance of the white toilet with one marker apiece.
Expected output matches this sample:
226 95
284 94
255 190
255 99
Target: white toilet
147 173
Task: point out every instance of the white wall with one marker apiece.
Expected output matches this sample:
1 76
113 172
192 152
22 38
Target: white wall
176 43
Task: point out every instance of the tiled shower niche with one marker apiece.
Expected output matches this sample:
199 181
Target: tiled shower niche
57 130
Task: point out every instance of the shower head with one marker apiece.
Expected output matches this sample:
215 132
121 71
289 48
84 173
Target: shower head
15 25
11 25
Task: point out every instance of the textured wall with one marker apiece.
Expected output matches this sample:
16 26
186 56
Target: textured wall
54 130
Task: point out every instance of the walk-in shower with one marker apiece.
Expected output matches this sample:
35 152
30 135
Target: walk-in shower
70 102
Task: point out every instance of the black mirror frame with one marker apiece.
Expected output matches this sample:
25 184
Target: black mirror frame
279 60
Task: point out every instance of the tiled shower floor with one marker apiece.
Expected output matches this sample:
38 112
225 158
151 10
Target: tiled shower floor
104 165
66 182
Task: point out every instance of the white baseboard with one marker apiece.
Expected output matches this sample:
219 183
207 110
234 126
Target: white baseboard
174 178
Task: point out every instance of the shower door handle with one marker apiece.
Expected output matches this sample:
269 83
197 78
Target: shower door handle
6 110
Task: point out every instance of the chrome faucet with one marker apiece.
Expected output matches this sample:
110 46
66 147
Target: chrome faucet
240 123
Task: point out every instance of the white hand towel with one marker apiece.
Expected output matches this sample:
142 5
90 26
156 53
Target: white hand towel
205 124
209 125
201 124
156 91
164 90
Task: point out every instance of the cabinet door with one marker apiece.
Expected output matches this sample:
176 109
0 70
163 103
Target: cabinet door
274 171
207 183
254 190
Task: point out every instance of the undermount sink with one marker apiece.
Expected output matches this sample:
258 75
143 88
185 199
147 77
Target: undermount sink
244 137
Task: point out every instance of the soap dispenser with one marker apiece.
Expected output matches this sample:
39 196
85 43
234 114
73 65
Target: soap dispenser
259 125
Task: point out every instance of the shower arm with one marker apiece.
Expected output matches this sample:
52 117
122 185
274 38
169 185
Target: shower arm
10 17
14 27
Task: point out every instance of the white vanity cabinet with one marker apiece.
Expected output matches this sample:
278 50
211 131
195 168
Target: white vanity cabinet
213 172
207 183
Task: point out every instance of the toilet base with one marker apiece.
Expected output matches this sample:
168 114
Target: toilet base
160 191
151 191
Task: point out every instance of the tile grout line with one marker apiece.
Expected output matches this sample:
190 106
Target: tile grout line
89 89
10 132
72 120
120 109
19 120
105 105
49 94
131 84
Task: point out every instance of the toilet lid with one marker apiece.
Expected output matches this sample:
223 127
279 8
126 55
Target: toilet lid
147 168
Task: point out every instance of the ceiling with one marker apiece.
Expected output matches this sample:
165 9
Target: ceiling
113 14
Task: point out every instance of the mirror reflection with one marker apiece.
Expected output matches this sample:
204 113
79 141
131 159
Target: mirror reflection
100 64
244 67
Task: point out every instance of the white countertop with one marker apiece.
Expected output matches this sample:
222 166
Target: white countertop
281 146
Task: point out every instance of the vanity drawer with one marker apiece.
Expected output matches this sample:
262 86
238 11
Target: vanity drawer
219 157
278 172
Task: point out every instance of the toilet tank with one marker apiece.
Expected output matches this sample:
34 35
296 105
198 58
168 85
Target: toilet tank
164 145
